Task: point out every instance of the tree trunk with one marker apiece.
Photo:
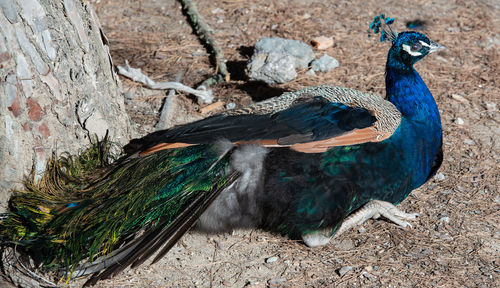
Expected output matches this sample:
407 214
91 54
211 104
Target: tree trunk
57 85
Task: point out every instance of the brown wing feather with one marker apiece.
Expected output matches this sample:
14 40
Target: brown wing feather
359 136
369 134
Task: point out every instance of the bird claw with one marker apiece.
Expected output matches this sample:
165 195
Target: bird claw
373 209
390 212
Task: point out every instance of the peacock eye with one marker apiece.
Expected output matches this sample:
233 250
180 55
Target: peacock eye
416 47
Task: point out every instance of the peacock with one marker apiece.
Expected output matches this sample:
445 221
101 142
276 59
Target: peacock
309 164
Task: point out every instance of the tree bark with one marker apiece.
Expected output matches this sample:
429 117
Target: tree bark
57 85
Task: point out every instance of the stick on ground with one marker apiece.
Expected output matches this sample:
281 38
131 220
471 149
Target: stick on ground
204 95
205 32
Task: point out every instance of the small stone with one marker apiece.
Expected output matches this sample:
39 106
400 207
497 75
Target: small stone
459 121
271 259
325 63
361 230
440 177
342 271
368 268
311 72
445 219
230 105
469 142
491 106
322 42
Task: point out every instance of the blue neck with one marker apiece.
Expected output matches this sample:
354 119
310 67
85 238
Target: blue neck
420 132
408 92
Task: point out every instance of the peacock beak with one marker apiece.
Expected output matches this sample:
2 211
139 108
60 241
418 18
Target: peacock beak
436 47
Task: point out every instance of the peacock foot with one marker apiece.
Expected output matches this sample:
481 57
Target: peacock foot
373 209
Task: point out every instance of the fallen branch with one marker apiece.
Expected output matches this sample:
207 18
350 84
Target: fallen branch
204 32
168 107
204 95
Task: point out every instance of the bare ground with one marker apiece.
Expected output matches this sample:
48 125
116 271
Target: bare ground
456 240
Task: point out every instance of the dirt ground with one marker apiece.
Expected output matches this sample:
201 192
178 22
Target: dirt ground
456 240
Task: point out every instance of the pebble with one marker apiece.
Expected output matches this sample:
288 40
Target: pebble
272 259
440 177
324 64
230 105
445 219
469 142
342 271
322 42
311 72
361 230
459 121
491 106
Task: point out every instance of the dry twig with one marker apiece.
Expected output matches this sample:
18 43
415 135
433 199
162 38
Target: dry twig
204 32
203 94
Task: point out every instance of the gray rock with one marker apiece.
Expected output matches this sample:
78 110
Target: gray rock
440 177
325 63
368 276
271 259
342 271
311 72
275 60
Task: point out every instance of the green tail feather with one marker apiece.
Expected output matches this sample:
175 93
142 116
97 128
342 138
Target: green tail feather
83 207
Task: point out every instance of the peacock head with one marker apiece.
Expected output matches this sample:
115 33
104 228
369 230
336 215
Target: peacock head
413 46
407 47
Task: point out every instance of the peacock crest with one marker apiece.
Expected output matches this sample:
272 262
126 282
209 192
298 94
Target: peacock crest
383 24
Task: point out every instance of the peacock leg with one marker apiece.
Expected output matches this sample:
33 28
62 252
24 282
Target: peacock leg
373 209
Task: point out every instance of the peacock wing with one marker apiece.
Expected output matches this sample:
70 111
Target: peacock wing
310 120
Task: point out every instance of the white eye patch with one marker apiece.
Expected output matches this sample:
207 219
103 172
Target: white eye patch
424 44
412 53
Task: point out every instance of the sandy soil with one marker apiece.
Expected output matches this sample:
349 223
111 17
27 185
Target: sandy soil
456 240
